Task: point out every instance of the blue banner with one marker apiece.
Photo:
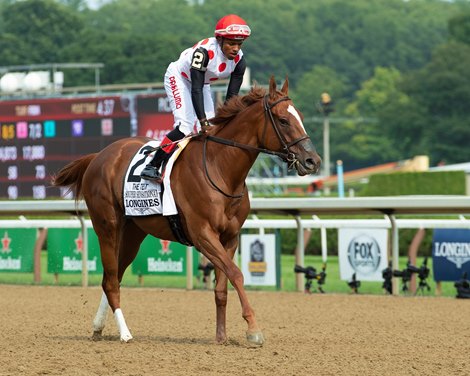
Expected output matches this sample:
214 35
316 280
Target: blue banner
450 254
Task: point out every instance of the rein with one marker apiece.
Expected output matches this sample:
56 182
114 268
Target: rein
286 155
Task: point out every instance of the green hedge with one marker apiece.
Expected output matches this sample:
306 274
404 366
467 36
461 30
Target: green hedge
416 183
405 237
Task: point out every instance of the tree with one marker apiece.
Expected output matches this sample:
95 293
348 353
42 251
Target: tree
14 50
313 83
363 139
43 26
441 90
459 28
376 92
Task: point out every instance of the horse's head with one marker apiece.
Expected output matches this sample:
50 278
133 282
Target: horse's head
290 137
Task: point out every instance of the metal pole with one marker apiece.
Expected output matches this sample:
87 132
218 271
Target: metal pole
326 145
97 79
339 174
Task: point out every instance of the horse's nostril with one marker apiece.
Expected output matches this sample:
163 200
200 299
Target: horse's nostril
311 164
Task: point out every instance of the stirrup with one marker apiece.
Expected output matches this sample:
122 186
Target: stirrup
151 173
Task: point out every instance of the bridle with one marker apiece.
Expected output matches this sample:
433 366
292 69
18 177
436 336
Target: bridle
286 155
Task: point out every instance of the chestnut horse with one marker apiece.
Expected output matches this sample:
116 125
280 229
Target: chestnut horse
208 184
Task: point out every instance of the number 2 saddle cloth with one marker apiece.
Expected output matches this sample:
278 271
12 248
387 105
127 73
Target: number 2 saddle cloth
143 197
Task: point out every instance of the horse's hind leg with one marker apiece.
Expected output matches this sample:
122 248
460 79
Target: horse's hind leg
100 317
129 238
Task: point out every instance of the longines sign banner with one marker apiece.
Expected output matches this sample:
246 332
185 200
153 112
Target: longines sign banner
362 251
450 254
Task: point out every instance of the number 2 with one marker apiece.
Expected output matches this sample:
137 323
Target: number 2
136 178
198 57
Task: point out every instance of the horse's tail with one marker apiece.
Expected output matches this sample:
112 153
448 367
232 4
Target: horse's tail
72 175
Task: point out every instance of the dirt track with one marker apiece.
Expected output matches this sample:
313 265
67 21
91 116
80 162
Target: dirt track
47 330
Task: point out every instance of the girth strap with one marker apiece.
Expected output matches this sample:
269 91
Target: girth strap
177 229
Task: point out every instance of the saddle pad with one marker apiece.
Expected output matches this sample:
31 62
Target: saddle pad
142 197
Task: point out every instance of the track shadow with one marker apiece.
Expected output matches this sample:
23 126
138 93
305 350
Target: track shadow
152 339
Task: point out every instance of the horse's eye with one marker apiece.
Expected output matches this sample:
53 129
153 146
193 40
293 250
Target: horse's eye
284 122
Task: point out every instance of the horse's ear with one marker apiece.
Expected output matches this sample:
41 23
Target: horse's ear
272 88
285 87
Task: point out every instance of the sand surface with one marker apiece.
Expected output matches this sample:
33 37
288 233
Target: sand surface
47 331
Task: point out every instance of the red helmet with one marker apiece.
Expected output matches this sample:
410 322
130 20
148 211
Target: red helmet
232 27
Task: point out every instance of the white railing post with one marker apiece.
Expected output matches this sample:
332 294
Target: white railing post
299 253
189 268
395 252
84 252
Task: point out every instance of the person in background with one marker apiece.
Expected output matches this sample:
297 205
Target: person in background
187 84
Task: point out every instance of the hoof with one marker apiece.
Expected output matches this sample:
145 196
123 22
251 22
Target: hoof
97 336
221 341
126 338
256 338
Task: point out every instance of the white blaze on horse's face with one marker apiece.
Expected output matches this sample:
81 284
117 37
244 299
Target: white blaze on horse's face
294 112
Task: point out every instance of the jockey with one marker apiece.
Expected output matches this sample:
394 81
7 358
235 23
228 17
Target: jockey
187 83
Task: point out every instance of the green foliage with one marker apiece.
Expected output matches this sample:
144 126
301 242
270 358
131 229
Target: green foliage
459 28
313 83
416 183
44 28
313 246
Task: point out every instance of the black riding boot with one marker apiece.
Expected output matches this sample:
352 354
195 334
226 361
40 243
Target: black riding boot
151 170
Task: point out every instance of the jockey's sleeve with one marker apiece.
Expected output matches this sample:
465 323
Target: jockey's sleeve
197 71
236 79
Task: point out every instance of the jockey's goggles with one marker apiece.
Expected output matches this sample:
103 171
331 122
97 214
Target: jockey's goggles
241 30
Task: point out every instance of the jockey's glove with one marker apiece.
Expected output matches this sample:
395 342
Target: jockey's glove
205 125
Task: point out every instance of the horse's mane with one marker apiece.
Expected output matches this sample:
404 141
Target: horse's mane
236 104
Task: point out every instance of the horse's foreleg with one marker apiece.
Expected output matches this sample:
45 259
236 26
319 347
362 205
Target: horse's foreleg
221 259
100 318
220 292
253 334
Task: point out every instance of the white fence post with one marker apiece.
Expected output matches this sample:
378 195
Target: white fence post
299 253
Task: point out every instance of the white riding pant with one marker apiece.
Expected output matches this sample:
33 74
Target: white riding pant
178 91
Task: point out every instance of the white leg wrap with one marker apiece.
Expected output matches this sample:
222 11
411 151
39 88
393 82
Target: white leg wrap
121 323
100 318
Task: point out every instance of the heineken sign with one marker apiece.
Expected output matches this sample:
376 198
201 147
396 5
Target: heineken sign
161 257
65 247
17 250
